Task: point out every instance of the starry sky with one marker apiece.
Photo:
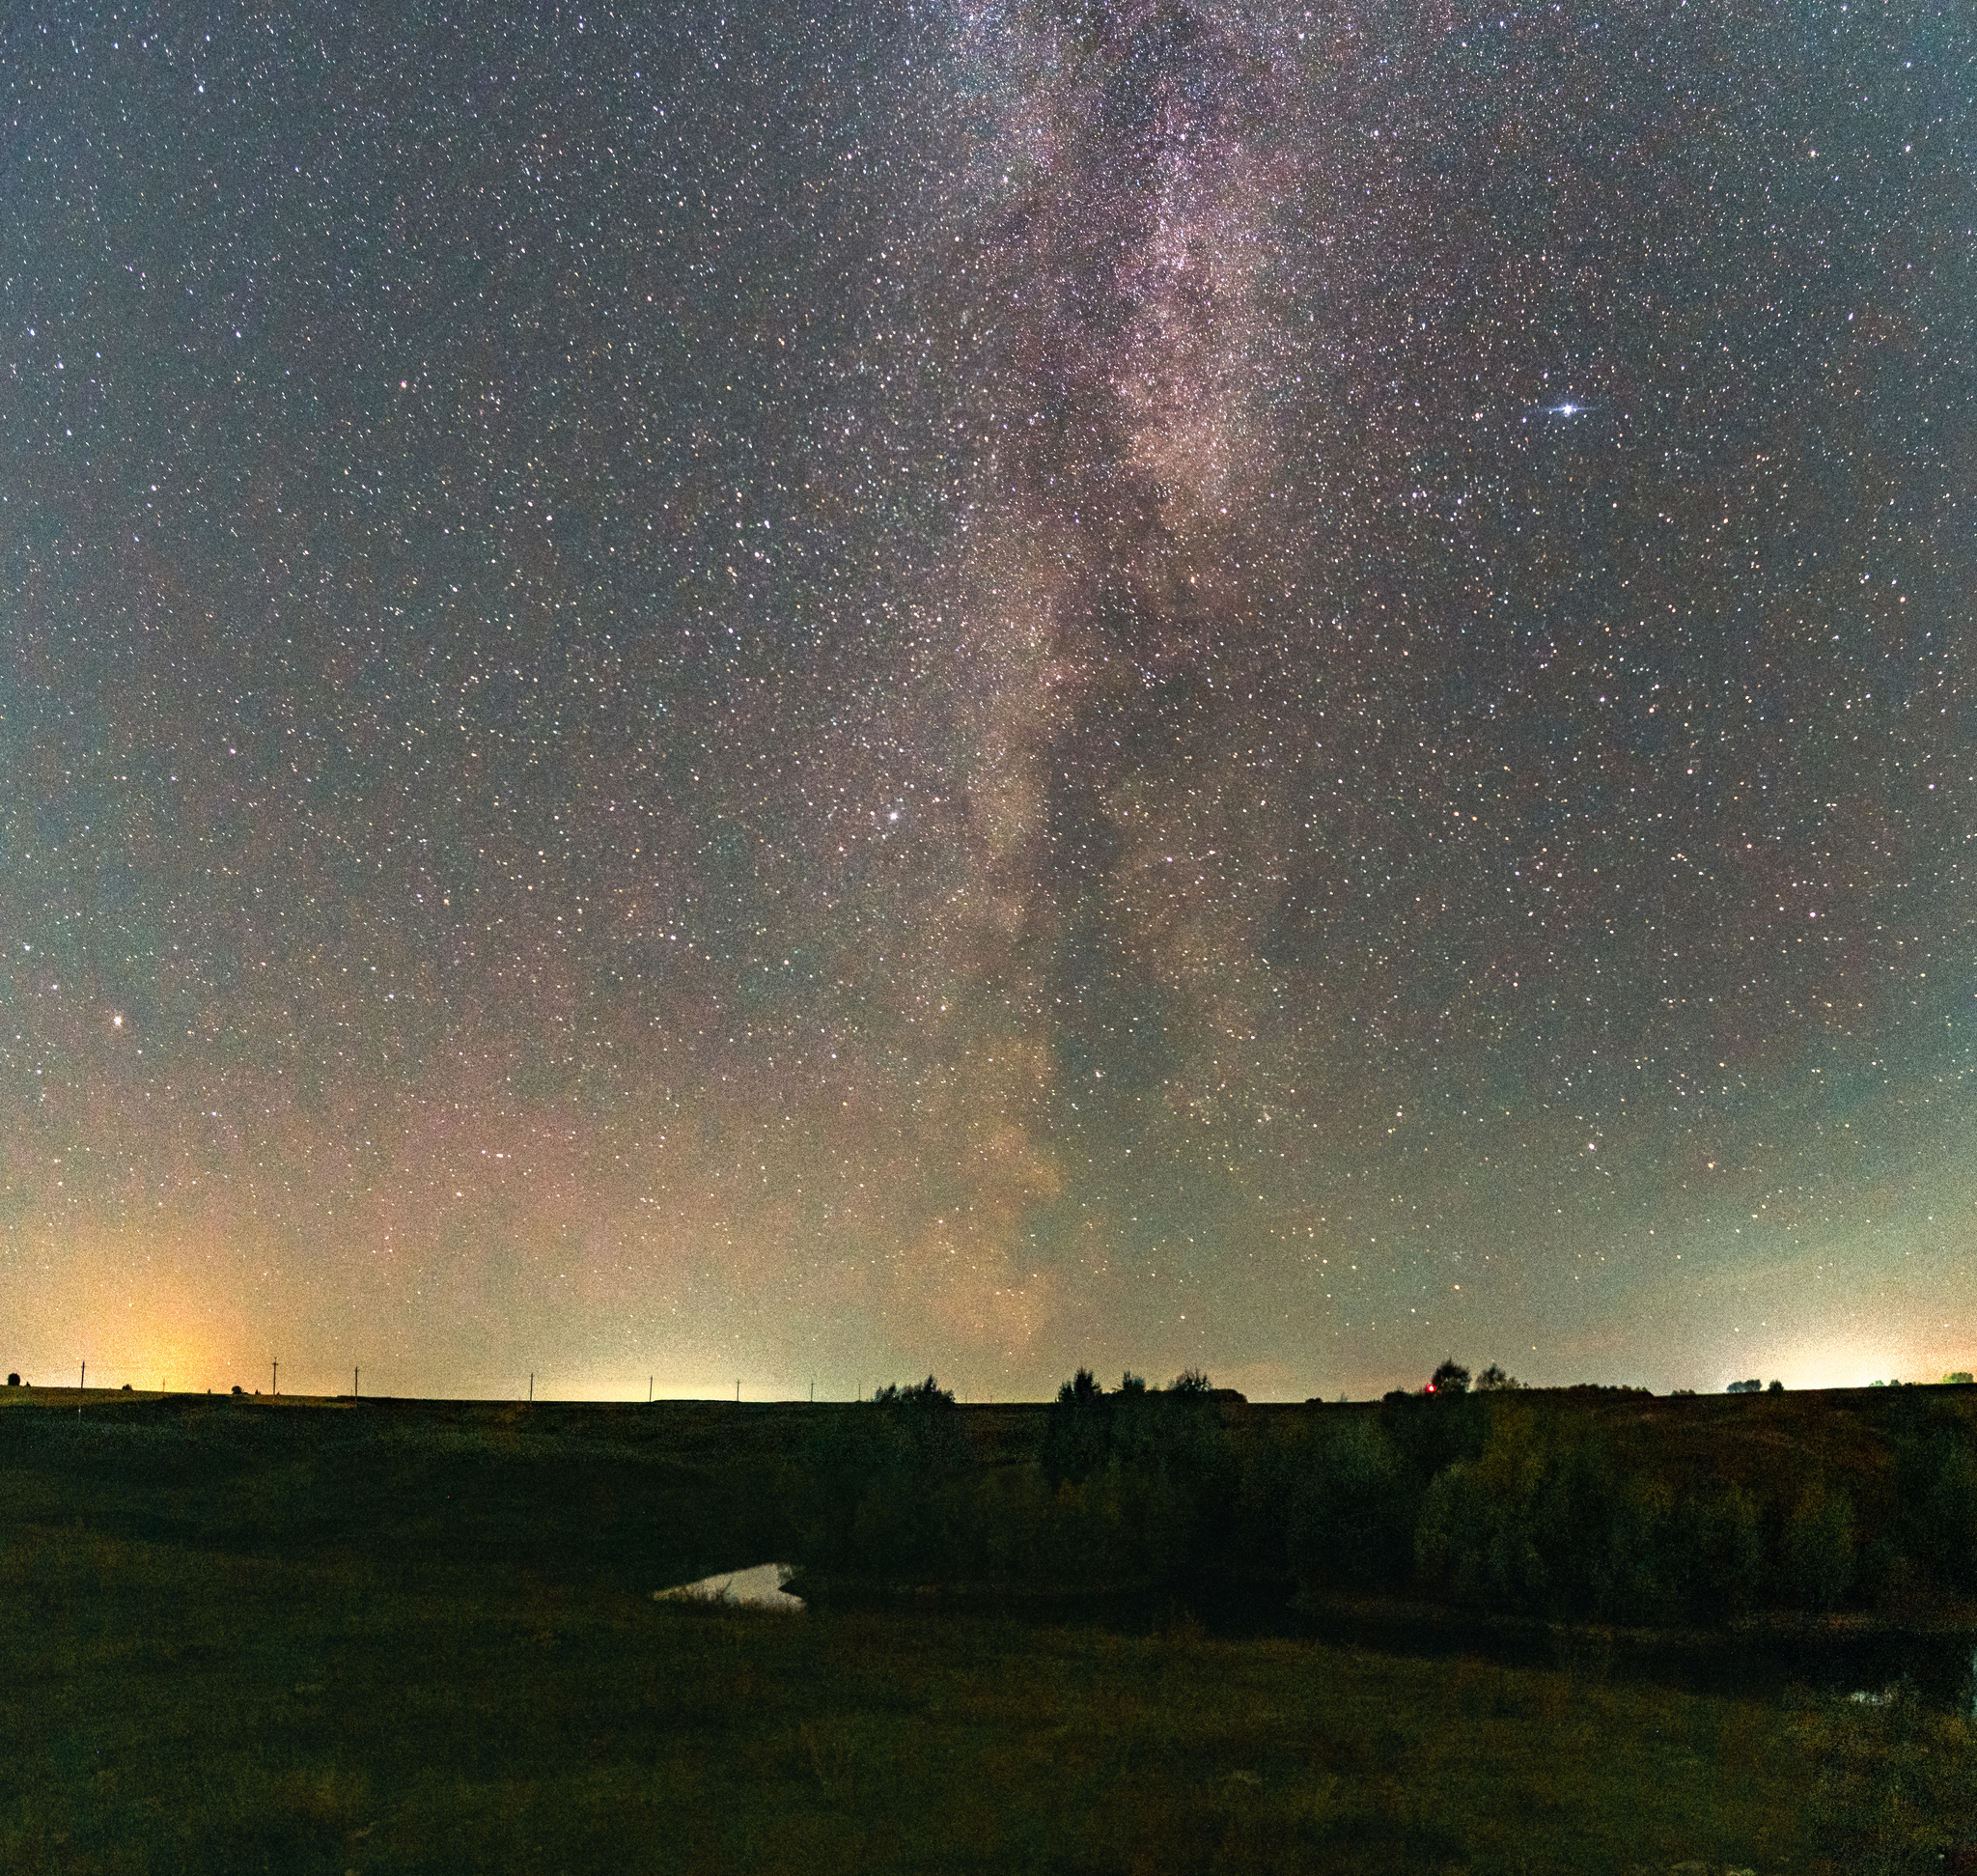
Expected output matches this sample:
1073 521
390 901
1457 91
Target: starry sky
794 694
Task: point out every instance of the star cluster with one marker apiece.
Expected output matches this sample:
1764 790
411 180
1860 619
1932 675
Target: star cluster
779 694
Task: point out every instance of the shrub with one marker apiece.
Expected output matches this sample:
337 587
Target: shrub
1937 1477
1559 1516
1144 1481
875 1492
1352 1515
1428 1431
1077 1431
1171 1457
1818 1560
1482 1519
1721 1536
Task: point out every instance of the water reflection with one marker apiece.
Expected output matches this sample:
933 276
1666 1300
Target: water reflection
758 1587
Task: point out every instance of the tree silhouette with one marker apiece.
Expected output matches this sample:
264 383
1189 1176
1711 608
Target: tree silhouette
1353 1513
1082 1387
1818 1547
877 1486
1076 1430
929 1394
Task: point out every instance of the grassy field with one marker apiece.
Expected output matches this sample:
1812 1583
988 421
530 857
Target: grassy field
240 1639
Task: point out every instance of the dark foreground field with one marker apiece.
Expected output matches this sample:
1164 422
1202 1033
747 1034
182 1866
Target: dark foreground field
244 1636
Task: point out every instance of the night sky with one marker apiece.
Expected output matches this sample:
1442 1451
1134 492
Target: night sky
799 695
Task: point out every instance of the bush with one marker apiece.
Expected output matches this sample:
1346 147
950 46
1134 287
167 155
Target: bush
1818 1558
1172 1460
1130 1489
875 1489
1563 1518
1146 1475
1720 1539
1076 1430
1938 1478
1428 1431
1352 1515
1488 1531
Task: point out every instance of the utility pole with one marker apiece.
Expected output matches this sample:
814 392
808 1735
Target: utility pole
354 1373
649 1390
532 1383
274 1385
84 1382
738 1393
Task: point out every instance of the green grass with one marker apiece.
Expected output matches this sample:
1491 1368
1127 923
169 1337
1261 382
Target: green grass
259 1650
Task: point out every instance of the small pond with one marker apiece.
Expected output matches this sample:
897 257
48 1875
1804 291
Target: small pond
759 1587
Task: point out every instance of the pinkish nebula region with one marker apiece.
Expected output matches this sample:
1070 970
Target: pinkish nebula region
787 697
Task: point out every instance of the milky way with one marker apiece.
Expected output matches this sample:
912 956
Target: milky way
802 697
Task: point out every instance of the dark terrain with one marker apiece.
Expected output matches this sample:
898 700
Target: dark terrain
249 1633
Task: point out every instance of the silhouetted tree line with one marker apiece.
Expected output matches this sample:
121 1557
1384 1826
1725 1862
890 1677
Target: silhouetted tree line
1128 1487
877 1489
1566 1504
